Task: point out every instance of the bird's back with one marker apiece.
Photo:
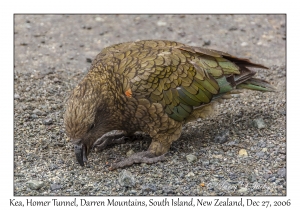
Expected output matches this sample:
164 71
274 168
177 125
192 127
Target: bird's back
179 77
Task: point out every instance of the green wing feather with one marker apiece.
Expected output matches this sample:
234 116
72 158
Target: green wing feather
181 77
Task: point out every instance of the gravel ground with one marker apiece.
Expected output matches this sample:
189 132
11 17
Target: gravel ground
241 150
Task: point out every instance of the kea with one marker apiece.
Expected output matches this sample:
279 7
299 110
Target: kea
152 86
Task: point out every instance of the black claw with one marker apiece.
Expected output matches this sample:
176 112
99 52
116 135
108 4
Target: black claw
79 153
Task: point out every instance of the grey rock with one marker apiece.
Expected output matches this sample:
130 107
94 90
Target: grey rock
16 96
281 172
259 123
34 116
126 179
37 112
206 43
243 190
190 174
55 186
129 153
205 162
167 189
260 154
161 23
133 192
99 19
182 34
149 188
222 137
233 28
35 184
272 179
181 175
244 44
191 158
252 178
266 176
283 112
56 80
48 121
233 176
52 167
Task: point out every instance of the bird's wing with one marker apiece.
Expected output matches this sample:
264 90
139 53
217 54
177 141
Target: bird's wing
177 76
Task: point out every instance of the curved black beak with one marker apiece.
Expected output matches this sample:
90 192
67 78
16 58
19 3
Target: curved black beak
80 153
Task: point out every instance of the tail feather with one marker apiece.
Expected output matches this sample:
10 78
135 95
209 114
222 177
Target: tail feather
256 84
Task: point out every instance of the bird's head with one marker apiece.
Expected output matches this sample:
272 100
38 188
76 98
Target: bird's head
81 120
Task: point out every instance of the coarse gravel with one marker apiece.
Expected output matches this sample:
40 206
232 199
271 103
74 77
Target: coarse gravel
54 52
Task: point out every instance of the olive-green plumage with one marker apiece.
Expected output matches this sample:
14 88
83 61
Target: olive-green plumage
153 86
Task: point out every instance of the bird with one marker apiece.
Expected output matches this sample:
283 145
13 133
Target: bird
152 86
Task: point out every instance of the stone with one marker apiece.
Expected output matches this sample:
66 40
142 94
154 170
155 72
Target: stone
126 179
191 158
55 186
35 184
129 153
243 153
48 121
259 123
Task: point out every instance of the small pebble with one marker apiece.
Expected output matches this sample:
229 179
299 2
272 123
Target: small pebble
272 179
190 174
161 23
244 44
126 179
191 158
35 184
149 188
260 154
266 176
52 167
282 172
55 186
34 116
16 96
129 153
243 153
252 178
99 19
48 121
167 189
242 190
233 28
206 43
205 162
259 123
37 112
222 137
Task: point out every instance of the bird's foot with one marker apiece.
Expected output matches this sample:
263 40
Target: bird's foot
113 137
140 157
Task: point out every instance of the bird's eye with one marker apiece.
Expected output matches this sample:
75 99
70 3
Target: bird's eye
92 126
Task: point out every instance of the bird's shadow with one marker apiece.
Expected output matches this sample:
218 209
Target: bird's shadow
206 132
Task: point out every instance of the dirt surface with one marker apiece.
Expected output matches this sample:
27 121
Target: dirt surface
241 150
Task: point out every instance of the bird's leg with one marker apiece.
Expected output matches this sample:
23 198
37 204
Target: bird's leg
155 153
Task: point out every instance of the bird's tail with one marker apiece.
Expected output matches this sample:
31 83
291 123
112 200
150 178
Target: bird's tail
256 84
